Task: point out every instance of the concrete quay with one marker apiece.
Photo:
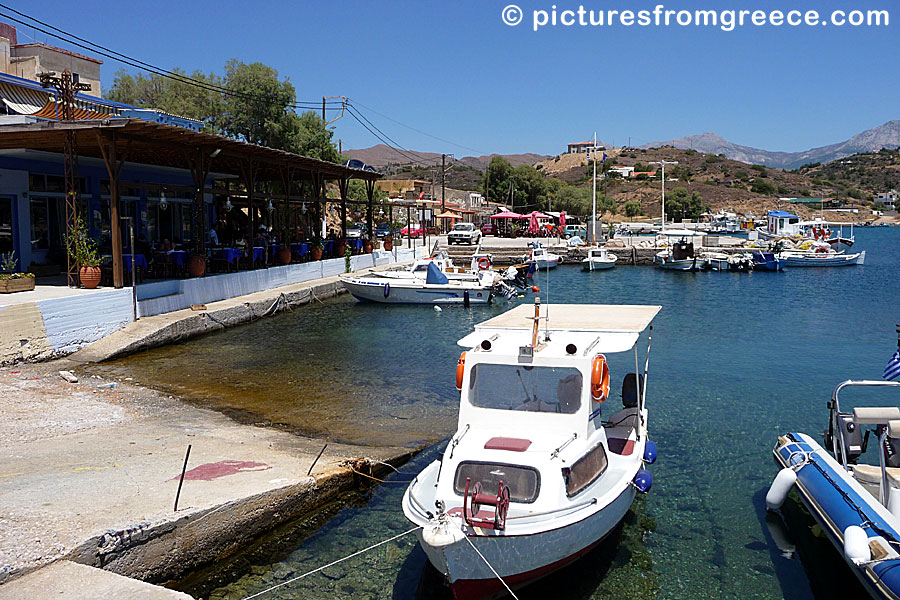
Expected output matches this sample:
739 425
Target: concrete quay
91 473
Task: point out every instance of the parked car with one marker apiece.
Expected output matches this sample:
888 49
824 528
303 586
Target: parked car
488 229
464 233
356 230
414 230
383 230
575 230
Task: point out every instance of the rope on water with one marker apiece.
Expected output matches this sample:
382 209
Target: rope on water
331 564
496 574
375 478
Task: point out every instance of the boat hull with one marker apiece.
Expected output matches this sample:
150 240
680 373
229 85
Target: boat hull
597 265
688 264
522 559
841 260
395 292
827 491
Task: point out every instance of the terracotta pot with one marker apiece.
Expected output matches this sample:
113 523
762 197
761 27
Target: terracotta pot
284 256
388 244
196 265
340 248
316 253
89 276
367 247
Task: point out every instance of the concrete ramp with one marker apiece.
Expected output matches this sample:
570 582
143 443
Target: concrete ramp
67 580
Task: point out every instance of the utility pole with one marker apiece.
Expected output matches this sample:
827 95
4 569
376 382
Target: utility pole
323 108
443 168
67 85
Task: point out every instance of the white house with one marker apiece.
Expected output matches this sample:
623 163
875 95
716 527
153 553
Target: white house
888 198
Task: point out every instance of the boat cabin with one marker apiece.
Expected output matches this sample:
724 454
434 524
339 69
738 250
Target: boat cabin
783 223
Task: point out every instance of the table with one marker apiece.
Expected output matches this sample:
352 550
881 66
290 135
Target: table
329 246
230 255
300 249
259 254
177 257
139 261
357 243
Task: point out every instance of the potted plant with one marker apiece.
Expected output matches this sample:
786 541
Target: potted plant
11 280
367 246
388 243
284 255
316 248
196 265
340 246
82 251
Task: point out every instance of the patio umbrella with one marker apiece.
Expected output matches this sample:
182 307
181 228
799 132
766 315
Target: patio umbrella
507 214
533 223
448 215
562 219
535 215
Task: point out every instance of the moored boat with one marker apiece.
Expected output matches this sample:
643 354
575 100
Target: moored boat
821 257
541 258
598 259
857 504
680 257
534 477
436 288
767 261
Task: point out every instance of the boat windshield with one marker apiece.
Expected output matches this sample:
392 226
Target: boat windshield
526 388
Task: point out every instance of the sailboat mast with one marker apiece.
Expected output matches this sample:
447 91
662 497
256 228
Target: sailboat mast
593 237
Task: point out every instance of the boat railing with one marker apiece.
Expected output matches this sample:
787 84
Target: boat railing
836 408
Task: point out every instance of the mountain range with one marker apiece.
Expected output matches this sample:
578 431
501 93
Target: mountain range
381 156
871 140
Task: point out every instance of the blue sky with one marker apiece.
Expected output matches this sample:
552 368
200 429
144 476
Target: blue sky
456 71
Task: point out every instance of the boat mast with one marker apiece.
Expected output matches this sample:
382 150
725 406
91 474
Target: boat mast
594 201
663 164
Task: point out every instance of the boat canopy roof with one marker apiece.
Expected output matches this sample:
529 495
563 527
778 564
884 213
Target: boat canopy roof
782 214
620 324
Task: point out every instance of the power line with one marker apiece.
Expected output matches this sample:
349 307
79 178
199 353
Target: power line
391 142
139 64
420 131
402 153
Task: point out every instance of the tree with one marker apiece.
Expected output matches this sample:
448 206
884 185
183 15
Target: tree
496 184
686 205
256 111
606 204
170 95
632 209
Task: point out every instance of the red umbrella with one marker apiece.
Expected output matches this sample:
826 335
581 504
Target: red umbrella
506 214
562 219
533 223
535 215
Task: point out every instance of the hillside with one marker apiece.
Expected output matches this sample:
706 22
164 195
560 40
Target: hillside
382 157
871 140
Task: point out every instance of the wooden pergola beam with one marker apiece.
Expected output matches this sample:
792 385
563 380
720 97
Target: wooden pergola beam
106 141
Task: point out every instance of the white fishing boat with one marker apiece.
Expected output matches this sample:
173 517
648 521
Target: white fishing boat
781 224
821 257
714 261
541 258
534 477
598 259
435 288
680 257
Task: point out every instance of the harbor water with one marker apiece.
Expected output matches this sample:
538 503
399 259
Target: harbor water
737 359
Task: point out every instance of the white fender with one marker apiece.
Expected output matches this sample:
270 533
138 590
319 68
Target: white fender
856 545
442 533
780 488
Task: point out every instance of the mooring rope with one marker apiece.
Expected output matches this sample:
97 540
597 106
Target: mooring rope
377 479
331 564
496 574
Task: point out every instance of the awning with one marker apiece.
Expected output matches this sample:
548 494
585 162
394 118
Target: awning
52 110
21 100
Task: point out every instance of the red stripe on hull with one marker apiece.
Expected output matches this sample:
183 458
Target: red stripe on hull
485 589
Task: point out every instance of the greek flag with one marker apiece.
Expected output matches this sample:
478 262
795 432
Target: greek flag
892 370
604 157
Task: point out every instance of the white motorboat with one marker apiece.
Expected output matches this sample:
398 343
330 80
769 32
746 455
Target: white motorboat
534 477
680 257
598 259
419 269
542 259
781 224
821 257
714 261
435 288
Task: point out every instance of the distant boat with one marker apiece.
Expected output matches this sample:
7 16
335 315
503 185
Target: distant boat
819 258
680 257
598 259
542 259
436 288
767 261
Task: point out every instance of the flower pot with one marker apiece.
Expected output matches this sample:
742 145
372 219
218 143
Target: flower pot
196 265
367 247
340 248
316 253
21 284
284 256
89 276
388 244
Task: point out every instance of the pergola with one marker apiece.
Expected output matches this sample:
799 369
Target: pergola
117 140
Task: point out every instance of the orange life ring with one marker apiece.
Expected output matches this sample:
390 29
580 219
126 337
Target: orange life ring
821 250
599 379
460 368
484 263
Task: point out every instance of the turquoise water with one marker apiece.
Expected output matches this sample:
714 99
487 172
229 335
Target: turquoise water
737 359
